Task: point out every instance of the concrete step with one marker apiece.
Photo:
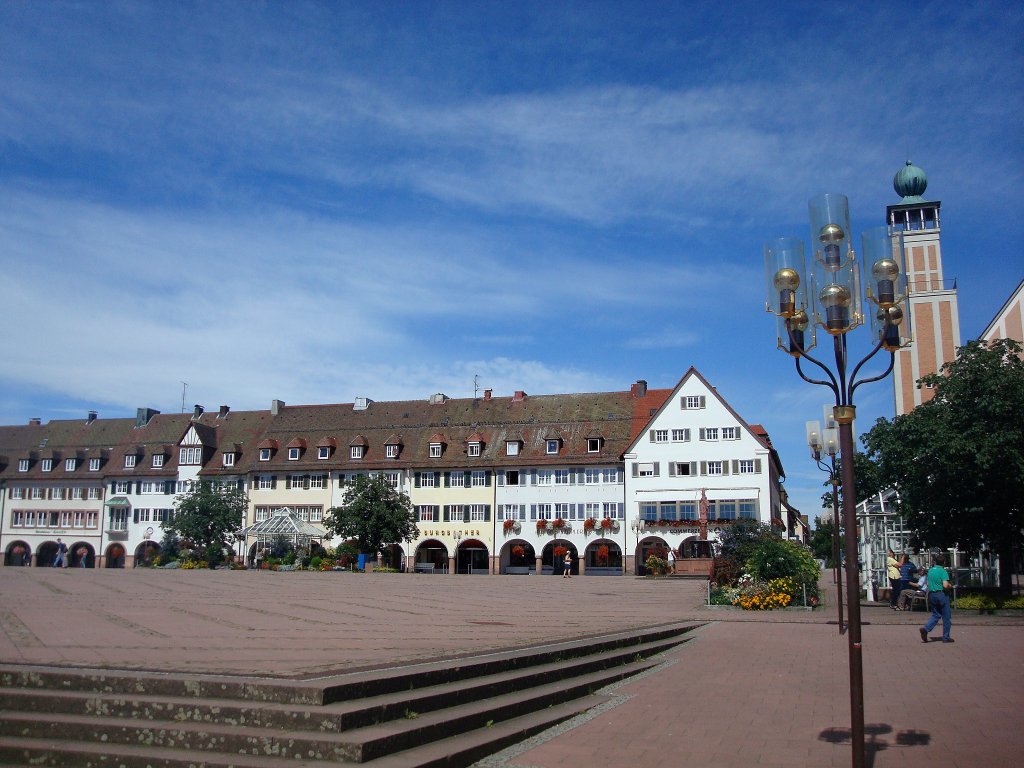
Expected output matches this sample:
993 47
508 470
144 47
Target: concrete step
335 717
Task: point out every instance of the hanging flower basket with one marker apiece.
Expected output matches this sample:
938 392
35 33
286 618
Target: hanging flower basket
560 552
589 524
602 555
542 525
558 524
607 524
508 526
518 550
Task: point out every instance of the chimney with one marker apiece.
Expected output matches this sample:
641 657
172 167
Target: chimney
487 395
639 389
223 411
143 415
197 411
519 396
276 406
35 421
361 403
91 417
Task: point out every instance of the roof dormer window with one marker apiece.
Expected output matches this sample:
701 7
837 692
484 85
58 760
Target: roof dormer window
391 451
158 460
228 459
293 454
511 447
435 452
552 445
594 444
356 451
46 465
264 454
70 464
23 465
94 465
323 452
473 449
129 460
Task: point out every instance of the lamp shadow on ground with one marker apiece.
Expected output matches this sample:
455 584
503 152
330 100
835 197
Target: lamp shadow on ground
873 744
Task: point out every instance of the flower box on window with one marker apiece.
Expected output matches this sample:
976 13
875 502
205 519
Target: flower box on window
508 526
558 524
542 525
607 524
589 524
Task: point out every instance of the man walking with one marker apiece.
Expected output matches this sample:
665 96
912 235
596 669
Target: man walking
938 600
62 553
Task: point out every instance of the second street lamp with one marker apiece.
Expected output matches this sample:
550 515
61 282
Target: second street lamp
829 296
827 442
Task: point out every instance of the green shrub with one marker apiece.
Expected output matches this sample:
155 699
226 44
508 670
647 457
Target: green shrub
656 565
780 558
314 563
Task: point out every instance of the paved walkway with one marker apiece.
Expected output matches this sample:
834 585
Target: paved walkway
752 689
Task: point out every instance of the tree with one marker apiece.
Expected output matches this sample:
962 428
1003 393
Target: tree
208 517
821 541
374 513
957 461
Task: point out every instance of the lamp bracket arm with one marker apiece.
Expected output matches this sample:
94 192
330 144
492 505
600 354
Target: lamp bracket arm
831 383
855 384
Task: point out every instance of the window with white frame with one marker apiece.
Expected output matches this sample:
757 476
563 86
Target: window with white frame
57 493
593 445
680 435
17 518
265 482
77 493
158 460
123 486
435 450
510 512
318 481
687 510
649 510
151 486
79 520
70 464
592 510
691 402
479 478
262 513
746 466
565 511
511 447
726 510
94 494
683 468
614 510
30 519
428 480
591 476
227 459
119 519
162 515
92 519
551 446
94 465
659 435
264 454
714 467
17 493
425 512
473 449
46 465
297 481
37 493
611 475
748 510
709 433
293 454
478 513
512 477
23 465
543 511
457 480
394 479
190 456
544 477
391 451
645 469
316 514
323 452
143 515
355 452
561 477
129 460
730 433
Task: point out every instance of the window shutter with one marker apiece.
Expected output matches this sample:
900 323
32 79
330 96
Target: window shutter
169 487
693 467
533 511
499 479
682 402
465 513
657 469
702 433
305 482
135 515
487 479
533 477
757 466
447 479
735 466
241 484
636 470
467 479
113 486
651 434
487 513
436 513
447 513
703 467
671 469
725 467
287 481
416 480
273 481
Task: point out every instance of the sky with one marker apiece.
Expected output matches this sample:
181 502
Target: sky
235 202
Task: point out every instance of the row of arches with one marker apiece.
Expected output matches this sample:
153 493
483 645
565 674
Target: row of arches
80 554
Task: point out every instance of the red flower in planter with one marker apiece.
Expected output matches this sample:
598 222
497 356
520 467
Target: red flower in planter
606 524
518 550
508 525
602 555
589 524
542 525
558 523
560 552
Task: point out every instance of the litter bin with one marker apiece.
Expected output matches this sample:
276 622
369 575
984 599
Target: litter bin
361 562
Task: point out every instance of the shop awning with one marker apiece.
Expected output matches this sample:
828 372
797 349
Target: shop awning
118 501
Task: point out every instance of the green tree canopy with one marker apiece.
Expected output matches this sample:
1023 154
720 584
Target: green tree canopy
208 517
374 513
821 541
957 461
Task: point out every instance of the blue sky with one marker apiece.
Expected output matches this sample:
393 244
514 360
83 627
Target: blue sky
318 201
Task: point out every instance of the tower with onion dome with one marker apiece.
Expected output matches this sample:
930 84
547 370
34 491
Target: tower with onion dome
933 297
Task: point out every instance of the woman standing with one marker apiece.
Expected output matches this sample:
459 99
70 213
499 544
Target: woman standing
892 570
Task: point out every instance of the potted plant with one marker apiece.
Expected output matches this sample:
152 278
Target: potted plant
560 552
518 550
607 524
542 525
589 524
558 524
508 526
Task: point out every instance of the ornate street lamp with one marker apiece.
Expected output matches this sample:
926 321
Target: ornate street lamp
828 442
829 296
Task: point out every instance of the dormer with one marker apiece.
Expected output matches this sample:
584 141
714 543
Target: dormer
393 447
437 445
159 456
595 442
552 443
358 447
513 445
326 447
267 448
131 456
474 444
296 448
230 454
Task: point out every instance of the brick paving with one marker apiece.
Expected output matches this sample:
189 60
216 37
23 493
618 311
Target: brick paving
751 689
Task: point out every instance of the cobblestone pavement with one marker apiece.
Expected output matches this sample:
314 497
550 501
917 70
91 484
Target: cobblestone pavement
751 689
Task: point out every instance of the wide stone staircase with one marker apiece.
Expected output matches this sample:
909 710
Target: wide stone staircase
444 713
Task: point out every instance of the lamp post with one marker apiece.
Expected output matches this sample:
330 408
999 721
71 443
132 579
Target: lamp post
830 296
828 441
